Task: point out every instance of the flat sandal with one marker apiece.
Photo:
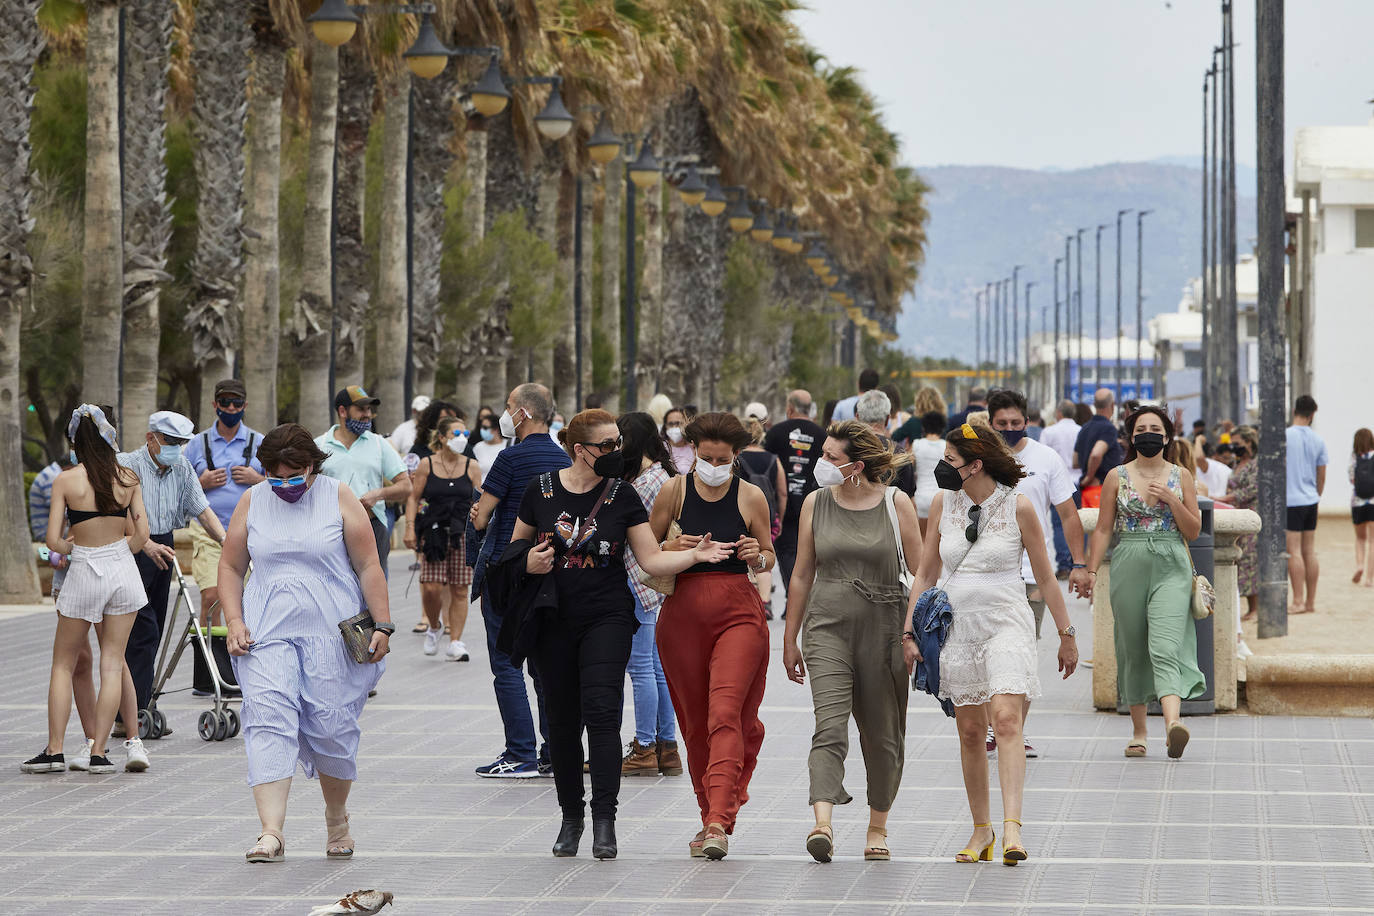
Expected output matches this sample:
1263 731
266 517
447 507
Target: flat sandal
260 854
877 853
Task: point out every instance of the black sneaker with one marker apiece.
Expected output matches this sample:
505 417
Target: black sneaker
101 764
45 763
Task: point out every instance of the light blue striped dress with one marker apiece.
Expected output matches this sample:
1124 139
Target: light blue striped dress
302 691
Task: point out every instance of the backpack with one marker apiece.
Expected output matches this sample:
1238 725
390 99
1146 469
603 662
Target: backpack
765 480
1364 477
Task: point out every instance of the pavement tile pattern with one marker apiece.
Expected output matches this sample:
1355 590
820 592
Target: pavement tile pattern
1264 815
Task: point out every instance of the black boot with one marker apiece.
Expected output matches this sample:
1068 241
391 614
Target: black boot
603 838
568 836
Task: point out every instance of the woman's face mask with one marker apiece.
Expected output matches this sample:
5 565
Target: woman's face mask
829 474
487 434
675 435
713 475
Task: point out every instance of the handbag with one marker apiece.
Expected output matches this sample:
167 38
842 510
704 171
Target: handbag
904 575
1204 596
665 585
357 635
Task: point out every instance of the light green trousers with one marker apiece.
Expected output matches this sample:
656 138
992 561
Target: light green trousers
1156 645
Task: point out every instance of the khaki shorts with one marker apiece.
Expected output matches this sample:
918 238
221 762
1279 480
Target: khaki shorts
205 552
1037 605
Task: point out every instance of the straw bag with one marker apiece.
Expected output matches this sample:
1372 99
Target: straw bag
664 585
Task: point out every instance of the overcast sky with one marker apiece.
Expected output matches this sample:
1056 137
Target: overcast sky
1070 83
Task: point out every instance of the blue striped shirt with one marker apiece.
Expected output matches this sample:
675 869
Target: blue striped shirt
172 496
40 500
511 473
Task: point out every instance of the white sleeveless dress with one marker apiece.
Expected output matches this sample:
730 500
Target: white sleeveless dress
991 644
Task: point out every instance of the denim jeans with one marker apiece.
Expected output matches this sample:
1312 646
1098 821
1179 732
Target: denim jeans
654 718
511 699
1063 559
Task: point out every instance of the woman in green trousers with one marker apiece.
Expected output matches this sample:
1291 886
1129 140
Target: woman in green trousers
1151 505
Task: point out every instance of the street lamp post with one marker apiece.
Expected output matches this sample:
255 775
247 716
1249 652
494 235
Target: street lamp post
1139 301
1078 308
1068 312
977 334
1015 320
1097 328
1028 337
1116 335
1055 375
1204 306
987 334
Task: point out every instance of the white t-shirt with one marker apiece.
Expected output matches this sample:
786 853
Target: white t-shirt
1061 437
1046 485
402 438
486 452
1215 478
927 453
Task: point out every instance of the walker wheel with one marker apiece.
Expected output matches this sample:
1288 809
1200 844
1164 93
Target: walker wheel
221 727
206 725
146 725
234 724
161 721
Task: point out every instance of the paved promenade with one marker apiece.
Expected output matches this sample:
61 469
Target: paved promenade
1263 815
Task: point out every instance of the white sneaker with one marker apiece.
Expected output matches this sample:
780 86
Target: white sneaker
1242 652
81 760
136 757
431 642
457 651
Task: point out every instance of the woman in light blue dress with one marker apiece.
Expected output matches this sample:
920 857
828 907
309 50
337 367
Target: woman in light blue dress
314 563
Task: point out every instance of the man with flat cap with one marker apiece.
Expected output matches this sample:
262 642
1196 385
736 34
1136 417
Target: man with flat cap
172 496
365 461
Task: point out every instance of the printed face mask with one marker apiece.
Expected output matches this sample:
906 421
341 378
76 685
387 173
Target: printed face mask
1149 444
358 427
828 474
712 475
675 435
947 476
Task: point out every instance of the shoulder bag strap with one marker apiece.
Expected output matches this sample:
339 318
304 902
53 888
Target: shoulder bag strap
248 449
891 499
209 459
607 494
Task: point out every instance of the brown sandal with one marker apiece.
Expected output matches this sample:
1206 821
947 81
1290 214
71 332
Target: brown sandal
715 844
260 853
820 842
877 853
694 845
339 844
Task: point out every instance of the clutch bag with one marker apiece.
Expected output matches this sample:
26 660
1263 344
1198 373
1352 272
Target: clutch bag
357 636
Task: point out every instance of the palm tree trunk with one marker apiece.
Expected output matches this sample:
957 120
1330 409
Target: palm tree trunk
433 134
313 312
353 292
583 269
262 260
546 226
610 283
391 284
467 348
652 336
102 254
20 42
564 352
147 213
221 42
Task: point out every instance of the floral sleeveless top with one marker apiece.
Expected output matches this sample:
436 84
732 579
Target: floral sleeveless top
1132 512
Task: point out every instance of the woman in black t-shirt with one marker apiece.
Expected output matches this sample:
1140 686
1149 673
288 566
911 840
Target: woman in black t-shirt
581 519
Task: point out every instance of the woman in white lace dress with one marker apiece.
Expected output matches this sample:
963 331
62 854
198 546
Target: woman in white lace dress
987 665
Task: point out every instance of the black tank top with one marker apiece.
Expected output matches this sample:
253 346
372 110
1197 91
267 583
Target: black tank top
448 498
721 518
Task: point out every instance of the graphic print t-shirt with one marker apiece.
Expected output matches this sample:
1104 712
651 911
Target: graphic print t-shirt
589 560
797 443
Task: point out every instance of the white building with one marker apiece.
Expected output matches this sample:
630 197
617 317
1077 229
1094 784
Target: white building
1333 176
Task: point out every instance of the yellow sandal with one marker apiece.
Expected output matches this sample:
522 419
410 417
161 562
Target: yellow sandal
970 854
1015 852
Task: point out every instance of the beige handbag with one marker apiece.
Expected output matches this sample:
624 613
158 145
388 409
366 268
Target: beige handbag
664 585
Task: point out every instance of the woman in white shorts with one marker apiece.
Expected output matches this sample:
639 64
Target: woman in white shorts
103 505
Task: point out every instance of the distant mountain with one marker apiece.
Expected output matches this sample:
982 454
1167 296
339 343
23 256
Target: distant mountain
985 219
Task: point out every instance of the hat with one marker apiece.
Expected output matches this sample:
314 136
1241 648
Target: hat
756 411
171 423
420 403
232 386
356 396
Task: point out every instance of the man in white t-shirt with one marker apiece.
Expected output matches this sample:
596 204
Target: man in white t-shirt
1050 492
1061 437
1213 474
402 438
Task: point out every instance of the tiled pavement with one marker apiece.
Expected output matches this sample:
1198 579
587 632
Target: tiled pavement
1263 815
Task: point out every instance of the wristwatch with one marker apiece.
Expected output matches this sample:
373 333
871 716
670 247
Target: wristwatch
1070 631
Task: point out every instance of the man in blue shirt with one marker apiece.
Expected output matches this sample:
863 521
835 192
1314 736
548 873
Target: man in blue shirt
224 457
528 412
844 410
1098 449
1307 460
977 400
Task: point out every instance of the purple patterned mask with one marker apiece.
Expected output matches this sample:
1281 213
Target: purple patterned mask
291 493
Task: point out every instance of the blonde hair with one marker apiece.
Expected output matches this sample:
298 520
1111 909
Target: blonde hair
658 407
1181 454
436 438
928 400
756 431
861 443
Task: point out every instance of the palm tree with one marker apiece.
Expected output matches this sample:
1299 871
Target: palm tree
262 246
565 355
391 324
353 291
313 312
20 42
103 286
147 212
221 43
611 249
467 340
653 340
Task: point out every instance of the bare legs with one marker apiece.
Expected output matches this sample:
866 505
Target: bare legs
1170 706
270 798
1007 713
972 723
1364 554
66 646
1303 569
335 793
457 611
431 599
115 682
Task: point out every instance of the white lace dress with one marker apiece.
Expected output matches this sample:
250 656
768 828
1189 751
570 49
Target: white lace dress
991 644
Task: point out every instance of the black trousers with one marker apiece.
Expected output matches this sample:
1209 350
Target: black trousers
141 651
582 664
786 547
382 536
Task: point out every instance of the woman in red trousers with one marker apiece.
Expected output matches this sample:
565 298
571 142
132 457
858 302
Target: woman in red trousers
712 638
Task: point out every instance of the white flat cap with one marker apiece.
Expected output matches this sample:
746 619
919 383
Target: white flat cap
756 411
171 423
420 402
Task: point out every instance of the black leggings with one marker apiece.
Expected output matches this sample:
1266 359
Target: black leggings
582 664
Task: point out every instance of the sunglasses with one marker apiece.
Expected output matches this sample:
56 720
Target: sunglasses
605 445
971 532
230 402
287 481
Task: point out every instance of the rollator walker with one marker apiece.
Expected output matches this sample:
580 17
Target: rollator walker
217 723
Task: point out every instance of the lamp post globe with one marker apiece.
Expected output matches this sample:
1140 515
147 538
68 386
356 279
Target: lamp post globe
334 23
740 216
692 190
603 145
645 170
427 57
555 121
762 230
713 201
490 96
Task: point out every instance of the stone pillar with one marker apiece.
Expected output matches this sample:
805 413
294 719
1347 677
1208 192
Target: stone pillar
1227 525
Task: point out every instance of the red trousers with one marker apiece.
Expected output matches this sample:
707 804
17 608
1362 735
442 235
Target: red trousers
713 643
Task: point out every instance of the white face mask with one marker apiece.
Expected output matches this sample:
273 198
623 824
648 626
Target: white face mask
828 474
710 474
675 435
458 444
508 424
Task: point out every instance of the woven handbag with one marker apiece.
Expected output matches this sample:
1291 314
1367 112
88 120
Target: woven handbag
357 636
665 585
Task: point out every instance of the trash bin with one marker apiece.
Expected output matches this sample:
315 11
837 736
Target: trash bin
1202 552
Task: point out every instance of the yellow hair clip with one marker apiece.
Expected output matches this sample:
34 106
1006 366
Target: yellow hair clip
968 432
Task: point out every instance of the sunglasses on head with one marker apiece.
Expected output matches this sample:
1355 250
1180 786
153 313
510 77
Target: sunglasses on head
229 402
287 481
971 532
605 445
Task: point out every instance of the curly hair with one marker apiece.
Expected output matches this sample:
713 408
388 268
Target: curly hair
986 445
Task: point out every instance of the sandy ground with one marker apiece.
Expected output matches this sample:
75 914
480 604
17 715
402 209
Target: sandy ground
1344 610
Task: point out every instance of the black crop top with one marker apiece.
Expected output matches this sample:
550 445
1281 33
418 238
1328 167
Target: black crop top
77 516
721 518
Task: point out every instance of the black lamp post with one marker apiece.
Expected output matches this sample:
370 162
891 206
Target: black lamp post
1078 308
1015 316
1027 344
1058 391
643 172
1097 329
1116 336
1139 301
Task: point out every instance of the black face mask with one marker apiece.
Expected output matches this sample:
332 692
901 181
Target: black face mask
947 476
1149 444
609 465
1012 437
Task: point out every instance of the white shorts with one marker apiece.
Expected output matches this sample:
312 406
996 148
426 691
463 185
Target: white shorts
101 581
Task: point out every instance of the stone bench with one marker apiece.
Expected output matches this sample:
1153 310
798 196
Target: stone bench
1310 685
1227 525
